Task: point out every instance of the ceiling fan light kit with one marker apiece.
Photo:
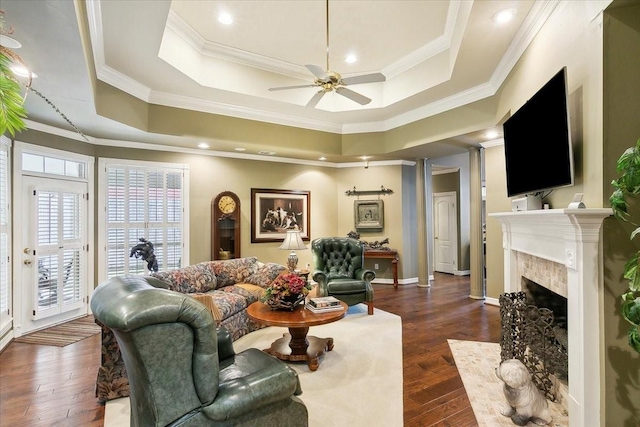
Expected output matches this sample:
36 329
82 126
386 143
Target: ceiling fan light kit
329 81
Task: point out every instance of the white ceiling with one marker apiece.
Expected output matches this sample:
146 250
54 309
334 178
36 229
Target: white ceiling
436 55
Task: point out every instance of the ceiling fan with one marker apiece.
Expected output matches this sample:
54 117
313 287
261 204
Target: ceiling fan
329 81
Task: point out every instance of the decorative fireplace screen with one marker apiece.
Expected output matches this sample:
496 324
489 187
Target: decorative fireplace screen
530 334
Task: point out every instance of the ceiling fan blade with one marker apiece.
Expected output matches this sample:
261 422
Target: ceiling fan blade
317 71
316 98
290 87
366 78
354 96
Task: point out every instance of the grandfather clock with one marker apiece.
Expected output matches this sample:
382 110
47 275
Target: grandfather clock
225 226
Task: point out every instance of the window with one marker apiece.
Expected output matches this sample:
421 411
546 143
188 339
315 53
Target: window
5 234
142 200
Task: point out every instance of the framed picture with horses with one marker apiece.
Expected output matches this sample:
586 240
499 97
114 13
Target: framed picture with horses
273 212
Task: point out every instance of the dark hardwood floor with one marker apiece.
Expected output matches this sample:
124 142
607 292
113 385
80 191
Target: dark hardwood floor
54 386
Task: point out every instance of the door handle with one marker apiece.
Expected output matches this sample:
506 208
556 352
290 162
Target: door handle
27 262
26 250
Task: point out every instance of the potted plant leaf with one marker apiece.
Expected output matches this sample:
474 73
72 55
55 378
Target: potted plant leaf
12 111
627 187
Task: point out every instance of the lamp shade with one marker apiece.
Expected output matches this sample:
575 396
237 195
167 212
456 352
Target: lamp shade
293 241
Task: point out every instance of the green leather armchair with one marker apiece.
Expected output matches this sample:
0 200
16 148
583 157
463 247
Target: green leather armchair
184 372
339 270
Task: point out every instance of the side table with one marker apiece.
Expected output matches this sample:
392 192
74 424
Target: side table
391 254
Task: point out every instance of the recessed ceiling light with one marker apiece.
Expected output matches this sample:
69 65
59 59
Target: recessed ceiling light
225 18
504 16
203 145
240 149
491 134
21 71
9 42
267 153
323 158
350 59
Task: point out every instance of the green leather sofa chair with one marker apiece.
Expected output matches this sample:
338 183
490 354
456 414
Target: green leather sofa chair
339 270
184 372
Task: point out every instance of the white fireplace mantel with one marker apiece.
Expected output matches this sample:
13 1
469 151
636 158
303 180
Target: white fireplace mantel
571 237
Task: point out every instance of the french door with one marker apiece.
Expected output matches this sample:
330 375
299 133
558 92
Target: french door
54 250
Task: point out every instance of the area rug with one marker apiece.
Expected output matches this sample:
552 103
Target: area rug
358 383
476 363
63 334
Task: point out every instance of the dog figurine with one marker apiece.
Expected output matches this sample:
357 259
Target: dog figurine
524 401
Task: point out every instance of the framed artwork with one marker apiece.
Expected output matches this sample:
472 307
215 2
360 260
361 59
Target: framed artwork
368 215
273 212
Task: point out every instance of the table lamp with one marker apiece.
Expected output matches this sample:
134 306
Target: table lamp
292 241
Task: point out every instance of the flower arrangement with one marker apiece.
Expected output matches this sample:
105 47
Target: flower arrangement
286 291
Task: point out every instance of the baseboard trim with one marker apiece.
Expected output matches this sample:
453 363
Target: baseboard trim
407 281
462 272
492 301
6 340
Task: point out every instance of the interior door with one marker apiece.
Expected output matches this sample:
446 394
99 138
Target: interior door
54 251
445 232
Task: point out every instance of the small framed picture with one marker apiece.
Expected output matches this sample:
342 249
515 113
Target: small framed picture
273 212
369 215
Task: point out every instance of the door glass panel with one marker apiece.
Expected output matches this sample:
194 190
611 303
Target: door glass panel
47 282
71 216
48 211
32 163
71 276
53 166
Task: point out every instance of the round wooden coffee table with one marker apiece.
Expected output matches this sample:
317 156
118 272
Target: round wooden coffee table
296 345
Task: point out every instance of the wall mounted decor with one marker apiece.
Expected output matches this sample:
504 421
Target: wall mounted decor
368 215
273 212
382 191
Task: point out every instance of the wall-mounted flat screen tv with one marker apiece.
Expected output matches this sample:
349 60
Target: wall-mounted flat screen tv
537 141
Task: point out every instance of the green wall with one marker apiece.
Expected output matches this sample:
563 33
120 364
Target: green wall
331 208
621 88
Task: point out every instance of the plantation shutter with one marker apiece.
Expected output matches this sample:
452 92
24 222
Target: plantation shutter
143 202
5 234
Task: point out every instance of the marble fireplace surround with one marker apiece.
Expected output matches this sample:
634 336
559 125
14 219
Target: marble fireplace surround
572 238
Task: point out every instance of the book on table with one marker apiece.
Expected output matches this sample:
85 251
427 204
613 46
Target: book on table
326 309
319 302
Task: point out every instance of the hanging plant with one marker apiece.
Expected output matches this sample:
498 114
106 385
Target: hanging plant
12 111
627 187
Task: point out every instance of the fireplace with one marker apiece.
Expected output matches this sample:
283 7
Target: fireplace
560 249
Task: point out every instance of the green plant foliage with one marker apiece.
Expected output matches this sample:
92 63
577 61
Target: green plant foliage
12 112
626 186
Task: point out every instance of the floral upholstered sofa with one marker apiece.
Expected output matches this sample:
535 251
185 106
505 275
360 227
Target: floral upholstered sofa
227 287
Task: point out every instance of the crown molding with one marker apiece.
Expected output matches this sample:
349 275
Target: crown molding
493 143
459 99
52 130
444 171
227 53
540 12
205 106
